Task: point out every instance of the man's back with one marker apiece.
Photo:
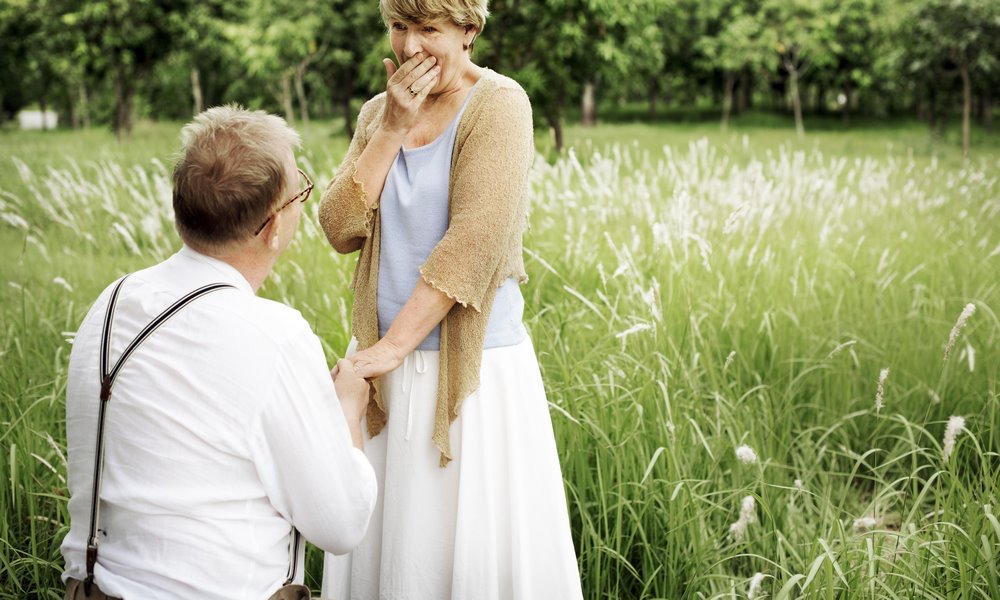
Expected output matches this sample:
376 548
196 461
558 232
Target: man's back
223 427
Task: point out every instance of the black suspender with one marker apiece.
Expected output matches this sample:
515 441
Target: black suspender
108 377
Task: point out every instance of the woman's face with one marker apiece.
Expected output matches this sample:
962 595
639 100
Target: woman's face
444 40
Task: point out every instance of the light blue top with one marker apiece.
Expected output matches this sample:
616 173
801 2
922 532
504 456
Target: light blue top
414 207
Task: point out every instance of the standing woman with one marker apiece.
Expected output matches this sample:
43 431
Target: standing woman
433 192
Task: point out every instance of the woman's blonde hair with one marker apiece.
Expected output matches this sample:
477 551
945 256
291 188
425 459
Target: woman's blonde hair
460 12
230 174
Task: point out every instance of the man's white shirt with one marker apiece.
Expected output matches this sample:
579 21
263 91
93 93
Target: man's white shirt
223 428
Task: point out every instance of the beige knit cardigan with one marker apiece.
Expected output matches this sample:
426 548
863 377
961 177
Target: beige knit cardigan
481 249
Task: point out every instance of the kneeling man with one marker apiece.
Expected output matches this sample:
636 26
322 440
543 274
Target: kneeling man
222 434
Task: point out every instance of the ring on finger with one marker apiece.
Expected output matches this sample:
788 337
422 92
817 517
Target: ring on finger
412 91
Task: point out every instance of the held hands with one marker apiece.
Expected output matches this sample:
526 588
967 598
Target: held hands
378 360
406 89
352 389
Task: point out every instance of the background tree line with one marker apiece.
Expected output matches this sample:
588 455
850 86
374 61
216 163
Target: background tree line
111 61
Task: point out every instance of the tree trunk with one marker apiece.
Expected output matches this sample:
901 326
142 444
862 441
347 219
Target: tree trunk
727 102
123 112
84 106
556 124
117 123
748 82
739 94
652 96
119 118
845 110
44 106
286 98
932 110
347 85
589 110
300 90
196 90
966 108
793 82
74 112
127 106
345 105
988 110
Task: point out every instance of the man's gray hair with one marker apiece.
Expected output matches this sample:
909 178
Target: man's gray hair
230 174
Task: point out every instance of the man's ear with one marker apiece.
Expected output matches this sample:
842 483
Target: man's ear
271 230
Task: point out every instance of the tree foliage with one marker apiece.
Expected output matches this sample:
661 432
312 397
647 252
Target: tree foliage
113 59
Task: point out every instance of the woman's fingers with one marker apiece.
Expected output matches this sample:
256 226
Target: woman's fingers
390 68
407 67
417 72
426 82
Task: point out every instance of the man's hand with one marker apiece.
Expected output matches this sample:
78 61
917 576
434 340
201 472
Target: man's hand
352 390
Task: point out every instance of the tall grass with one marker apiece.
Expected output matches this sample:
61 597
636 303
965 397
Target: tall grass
685 300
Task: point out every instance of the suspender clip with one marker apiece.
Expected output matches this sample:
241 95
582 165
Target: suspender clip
91 561
105 388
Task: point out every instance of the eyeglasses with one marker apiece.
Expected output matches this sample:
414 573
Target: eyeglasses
304 195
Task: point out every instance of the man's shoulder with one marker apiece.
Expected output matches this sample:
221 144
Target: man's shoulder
226 314
251 319
276 319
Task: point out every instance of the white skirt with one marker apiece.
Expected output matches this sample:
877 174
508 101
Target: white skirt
492 524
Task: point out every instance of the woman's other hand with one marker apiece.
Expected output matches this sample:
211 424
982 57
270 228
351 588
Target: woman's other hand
406 89
378 360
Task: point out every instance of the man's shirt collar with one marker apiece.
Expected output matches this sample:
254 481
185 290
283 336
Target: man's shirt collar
226 272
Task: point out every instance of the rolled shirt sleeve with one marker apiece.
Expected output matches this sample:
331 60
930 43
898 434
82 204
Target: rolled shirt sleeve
313 475
488 199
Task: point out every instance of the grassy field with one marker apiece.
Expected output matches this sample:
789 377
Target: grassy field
691 293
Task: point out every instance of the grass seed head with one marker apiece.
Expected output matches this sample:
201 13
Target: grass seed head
747 515
863 524
955 426
756 586
967 312
840 347
746 455
880 394
62 282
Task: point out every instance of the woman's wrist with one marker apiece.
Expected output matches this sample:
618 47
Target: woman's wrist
391 134
395 347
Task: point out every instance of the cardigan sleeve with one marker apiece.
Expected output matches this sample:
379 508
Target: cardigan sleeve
488 198
343 215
